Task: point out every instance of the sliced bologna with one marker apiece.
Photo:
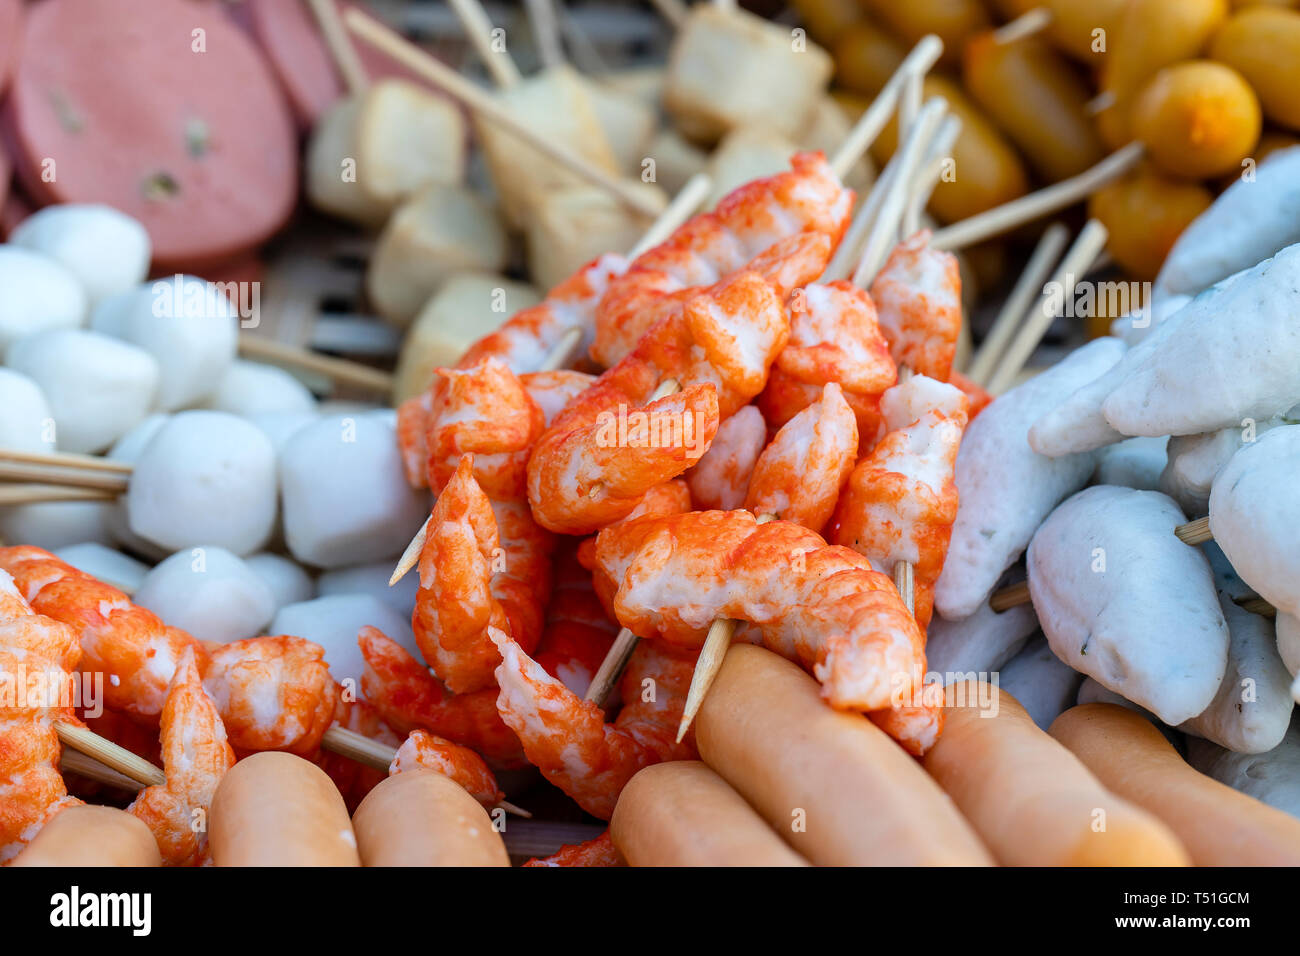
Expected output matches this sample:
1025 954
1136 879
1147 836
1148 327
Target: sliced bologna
164 110
11 18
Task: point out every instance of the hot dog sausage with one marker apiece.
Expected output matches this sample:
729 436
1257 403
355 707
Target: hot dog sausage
92 836
275 809
1029 798
683 814
421 818
1218 825
834 787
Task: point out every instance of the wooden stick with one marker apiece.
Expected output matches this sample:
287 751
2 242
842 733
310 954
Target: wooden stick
546 32
482 103
1085 249
905 581
30 494
1010 596
478 29
341 50
849 251
109 754
876 116
338 370
884 232
674 11
1027 287
70 477
73 761
1256 605
1054 198
377 755
682 207
937 157
1026 25
63 459
707 665
1195 532
611 668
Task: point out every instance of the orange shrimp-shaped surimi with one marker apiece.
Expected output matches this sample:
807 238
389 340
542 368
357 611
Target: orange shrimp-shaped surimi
486 412
604 451
721 478
524 342
834 337
901 500
409 697
744 226
455 605
977 398
552 391
918 296
135 651
273 693
597 852
567 738
423 750
821 606
196 756
799 475
37 657
578 631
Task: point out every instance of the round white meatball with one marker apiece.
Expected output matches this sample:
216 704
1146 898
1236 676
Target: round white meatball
106 250
346 499
97 387
183 322
288 582
27 424
334 621
128 449
253 388
55 524
204 479
281 426
107 564
208 592
372 579
36 293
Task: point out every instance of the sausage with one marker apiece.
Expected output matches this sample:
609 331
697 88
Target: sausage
90 835
1151 35
1145 213
1263 45
202 144
276 809
1038 101
1197 119
1218 825
683 814
988 170
1029 798
953 21
11 25
831 783
421 818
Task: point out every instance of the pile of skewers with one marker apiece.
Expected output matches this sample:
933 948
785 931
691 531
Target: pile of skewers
723 541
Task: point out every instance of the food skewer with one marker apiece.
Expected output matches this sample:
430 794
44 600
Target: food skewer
343 53
1030 284
482 103
478 28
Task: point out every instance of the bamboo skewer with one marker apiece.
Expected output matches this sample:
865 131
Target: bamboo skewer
1054 198
481 102
674 11
340 47
1029 23
338 370
546 32
109 754
63 459
1030 284
936 160
478 29
87 478
682 207
74 761
1087 246
35 494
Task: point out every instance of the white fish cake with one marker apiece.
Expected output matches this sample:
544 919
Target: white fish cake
1252 709
980 643
1288 641
1044 684
1006 488
1272 777
1133 463
1250 221
1234 356
1121 599
1195 460
1255 514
